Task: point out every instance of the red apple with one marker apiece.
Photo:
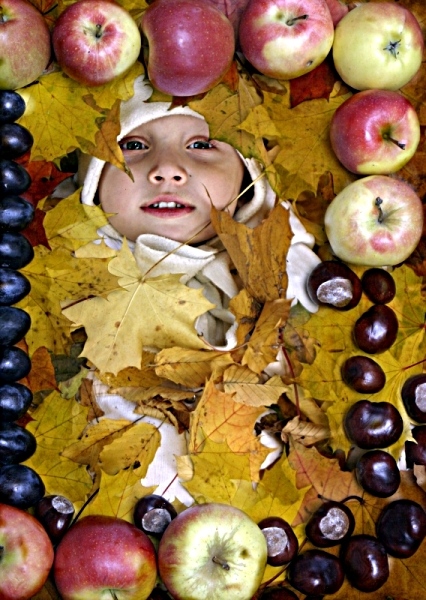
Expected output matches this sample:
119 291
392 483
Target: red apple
378 45
284 39
100 554
191 45
212 552
26 554
95 41
375 132
374 221
24 44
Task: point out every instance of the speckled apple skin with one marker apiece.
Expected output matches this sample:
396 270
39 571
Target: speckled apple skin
362 127
197 535
101 553
352 222
191 46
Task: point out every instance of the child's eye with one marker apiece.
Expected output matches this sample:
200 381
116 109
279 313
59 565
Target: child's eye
200 145
132 145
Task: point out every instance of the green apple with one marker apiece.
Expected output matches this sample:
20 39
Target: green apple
212 552
378 45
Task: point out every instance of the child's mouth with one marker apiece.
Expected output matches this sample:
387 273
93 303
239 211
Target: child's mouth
167 208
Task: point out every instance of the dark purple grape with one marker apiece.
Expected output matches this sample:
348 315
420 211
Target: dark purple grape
401 527
281 540
20 486
16 444
363 374
14 324
365 562
376 329
15 140
15 213
14 179
14 364
378 474
415 452
413 395
334 284
55 513
13 287
278 593
378 285
15 400
316 572
12 106
15 250
332 523
153 514
373 424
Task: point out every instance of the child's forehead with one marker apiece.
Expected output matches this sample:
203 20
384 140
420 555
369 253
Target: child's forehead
178 124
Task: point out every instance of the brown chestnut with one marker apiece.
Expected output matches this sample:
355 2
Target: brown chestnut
281 541
334 284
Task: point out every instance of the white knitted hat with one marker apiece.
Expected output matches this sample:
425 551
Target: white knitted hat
134 113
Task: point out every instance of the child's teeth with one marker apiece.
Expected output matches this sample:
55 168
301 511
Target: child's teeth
167 205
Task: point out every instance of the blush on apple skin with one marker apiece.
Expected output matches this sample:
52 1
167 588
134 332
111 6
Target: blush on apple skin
375 221
284 39
191 46
28 554
101 552
24 44
375 132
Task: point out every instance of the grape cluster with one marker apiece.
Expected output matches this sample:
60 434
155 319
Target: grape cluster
20 485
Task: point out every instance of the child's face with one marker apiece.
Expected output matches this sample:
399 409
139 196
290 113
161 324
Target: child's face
179 173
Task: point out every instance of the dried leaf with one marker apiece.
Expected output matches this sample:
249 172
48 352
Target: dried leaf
258 254
190 368
218 418
304 432
247 389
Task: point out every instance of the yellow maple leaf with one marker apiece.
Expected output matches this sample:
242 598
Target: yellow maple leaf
57 422
118 494
247 388
225 109
218 417
72 224
157 312
190 368
55 277
63 115
303 136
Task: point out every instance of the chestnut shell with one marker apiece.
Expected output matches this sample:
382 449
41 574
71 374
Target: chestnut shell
363 374
281 541
372 425
365 562
334 284
332 523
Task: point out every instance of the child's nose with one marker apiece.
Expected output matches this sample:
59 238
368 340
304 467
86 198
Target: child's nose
169 172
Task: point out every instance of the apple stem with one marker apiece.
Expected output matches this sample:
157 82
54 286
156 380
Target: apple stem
1 552
392 47
377 203
389 138
114 595
294 20
222 563
98 33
